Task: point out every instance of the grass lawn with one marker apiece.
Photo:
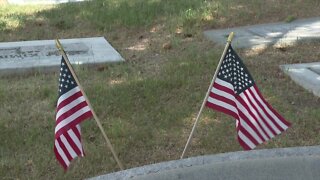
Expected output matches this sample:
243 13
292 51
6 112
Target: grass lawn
147 104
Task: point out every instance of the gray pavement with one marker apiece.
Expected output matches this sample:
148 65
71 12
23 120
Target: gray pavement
284 163
263 35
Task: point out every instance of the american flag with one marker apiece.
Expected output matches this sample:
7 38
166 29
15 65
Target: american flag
235 93
72 109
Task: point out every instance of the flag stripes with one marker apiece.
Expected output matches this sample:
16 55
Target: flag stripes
76 118
68 146
235 93
72 109
257 120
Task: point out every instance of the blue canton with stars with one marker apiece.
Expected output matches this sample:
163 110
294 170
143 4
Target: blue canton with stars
66 80
234 72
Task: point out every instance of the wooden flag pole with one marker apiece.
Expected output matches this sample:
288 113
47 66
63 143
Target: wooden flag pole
59 46
206 97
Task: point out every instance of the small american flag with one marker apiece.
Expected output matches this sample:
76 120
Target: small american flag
72 109
234 92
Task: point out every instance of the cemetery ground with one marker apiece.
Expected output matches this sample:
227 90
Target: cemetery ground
147 104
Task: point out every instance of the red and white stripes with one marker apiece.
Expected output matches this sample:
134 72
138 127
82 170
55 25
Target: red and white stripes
257 121
72 109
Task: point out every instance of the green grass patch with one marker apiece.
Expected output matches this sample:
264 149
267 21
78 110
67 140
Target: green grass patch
147 104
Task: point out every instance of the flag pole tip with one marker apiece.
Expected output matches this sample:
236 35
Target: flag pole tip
231 35
58 44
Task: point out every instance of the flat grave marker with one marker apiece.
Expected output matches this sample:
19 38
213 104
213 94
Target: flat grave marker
306 75
37 55
263 35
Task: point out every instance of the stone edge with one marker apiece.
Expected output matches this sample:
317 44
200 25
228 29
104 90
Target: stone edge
303 80
209 159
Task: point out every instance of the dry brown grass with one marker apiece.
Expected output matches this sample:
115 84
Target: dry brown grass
147 104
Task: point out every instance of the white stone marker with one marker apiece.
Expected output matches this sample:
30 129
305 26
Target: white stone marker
306 75
36 55
264 35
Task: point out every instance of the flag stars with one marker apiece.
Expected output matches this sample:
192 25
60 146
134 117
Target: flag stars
66 80
233 71
240 82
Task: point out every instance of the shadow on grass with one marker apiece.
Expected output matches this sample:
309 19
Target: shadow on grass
145 116
93 18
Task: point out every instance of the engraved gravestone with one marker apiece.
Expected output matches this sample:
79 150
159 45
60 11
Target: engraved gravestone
37 55
31 52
